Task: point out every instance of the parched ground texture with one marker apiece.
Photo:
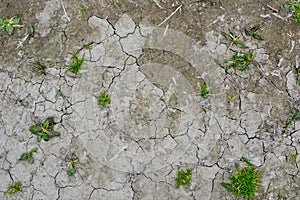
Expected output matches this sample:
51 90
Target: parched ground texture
151 57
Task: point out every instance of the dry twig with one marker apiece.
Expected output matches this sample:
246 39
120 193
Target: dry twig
173 13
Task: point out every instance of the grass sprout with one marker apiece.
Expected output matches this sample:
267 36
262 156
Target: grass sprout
184 178
245 181
296 71
12 189
294 117
241 62
83 9
294 157
204 91
234 39
31 30
76 64
41 69
60 94
87 46
253 31
104 99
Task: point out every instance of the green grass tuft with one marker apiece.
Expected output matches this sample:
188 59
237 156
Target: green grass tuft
184 178
41 69
12 189
76 64
245 181
204 91
104 99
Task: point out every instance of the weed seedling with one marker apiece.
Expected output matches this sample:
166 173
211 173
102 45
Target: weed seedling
253 31
72 169
184 178
296 71
245 181
295 115
241 61
232 97
76 64
60 94
103 100
294 157
204 92
234 39
9 25
44 131
28 156
289 121
31 30
294 6
87 46
12 189
40 67
83 9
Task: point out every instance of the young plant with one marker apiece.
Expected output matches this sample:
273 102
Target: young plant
76 64
12 189
241 61
294 157
41 69
294 6
44 131
245 181
234 39
72 169
83 9
29 156
184 178
9 25
295 116
253 31
31 30
296 71
204 92
103 100
60 94
232 97
87 46
290 121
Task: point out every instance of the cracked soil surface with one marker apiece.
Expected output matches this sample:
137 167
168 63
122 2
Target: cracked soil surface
151 57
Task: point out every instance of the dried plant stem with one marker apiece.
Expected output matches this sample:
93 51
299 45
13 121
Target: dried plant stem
173 13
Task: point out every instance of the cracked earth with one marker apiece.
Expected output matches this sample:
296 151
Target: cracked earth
151 61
